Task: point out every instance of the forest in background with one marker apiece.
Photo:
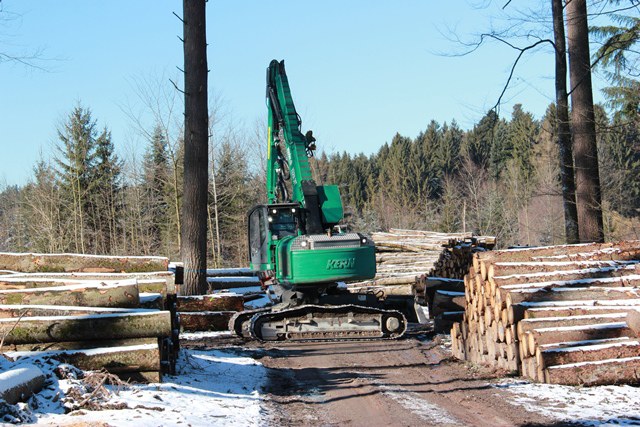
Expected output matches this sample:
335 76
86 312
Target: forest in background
500 178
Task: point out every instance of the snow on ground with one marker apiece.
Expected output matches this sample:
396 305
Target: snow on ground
212 387
589 406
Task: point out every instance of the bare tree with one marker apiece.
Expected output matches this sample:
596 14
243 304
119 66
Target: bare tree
588 195
194 210
563 130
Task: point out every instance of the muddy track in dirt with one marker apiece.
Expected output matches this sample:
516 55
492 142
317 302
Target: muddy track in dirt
408 382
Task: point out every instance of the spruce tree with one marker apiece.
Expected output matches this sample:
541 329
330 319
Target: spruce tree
76 159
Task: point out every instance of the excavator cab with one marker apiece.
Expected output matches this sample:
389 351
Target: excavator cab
269 224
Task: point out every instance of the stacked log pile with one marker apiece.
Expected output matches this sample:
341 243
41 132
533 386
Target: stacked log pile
204 313
208 312
96 312
404 255
427 266
562 314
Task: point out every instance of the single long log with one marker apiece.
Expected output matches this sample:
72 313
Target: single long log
630 273
553 355
80 328
386 281
33 310
516 312
217 283
383 291
537 267
79 345
608 251
537 337
526 325
138 358
168 276
120 294
612 371
446 301
213 302
21 382
205 321
50 263
534 313
567 294
230 272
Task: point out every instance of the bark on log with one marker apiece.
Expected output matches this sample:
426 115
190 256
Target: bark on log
608 251
446 301
205 321
21 382
524 267
386 281
141 377
152 301
79 345
80 328
13 311
230 272
445 321
139 358
624 272
537 337
567 294
217 283
50 263
210 303
383 291
612 371
534 313
168 276
121 294
547 357
526 325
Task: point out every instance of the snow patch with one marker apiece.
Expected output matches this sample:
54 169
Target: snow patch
413 402
589 406
213 387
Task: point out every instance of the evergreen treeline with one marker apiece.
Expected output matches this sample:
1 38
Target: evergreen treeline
499 178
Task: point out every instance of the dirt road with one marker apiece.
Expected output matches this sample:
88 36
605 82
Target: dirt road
409 382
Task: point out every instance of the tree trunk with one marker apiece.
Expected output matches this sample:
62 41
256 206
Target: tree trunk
196 130
563 128
588 196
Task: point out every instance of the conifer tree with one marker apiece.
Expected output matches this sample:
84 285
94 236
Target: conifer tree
76 159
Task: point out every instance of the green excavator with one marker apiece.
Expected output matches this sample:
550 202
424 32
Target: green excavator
297 248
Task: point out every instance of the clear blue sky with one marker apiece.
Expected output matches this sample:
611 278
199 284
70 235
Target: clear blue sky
360 70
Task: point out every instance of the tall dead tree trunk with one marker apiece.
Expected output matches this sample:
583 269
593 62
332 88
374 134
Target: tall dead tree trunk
588 195
563 129
196 130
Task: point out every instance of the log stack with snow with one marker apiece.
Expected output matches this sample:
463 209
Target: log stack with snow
95 312
229 289
560 314
427 265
